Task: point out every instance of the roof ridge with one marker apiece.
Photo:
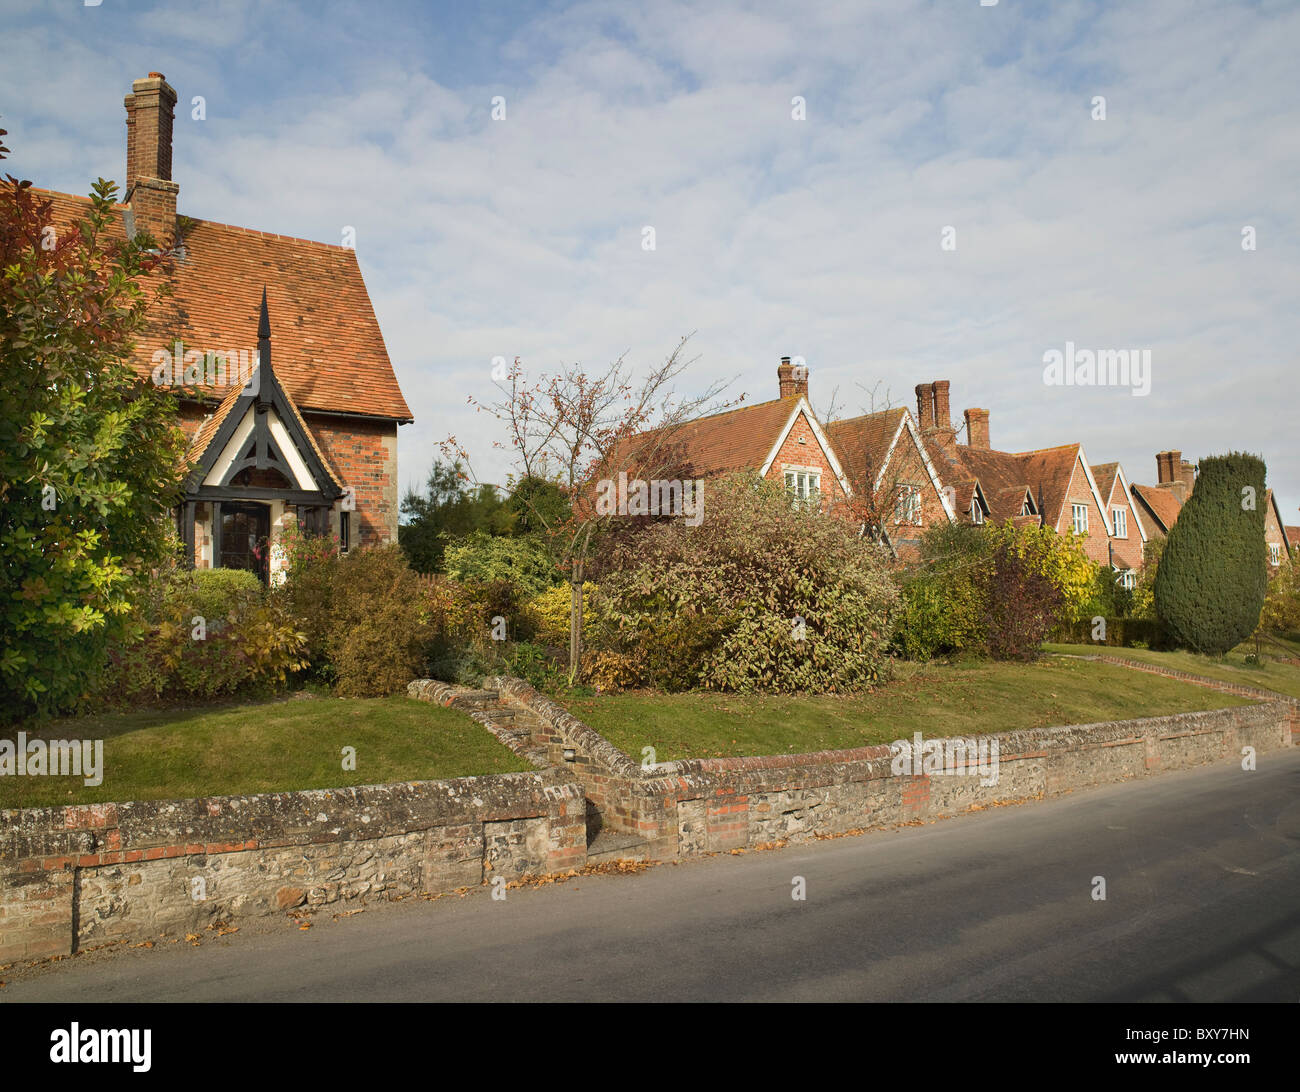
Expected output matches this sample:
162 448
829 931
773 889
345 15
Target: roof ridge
212 223
715 416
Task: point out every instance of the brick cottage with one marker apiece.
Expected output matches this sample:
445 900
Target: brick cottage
310 438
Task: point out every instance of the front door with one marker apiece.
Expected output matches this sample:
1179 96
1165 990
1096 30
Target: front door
245 529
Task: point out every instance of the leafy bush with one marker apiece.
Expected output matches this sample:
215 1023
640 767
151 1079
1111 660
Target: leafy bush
1212 580
1119 633
995 590
762 596
90 457
1023 603
307 591
1144 600
523 563
378 627
548 613
195 637
942 611
1281 613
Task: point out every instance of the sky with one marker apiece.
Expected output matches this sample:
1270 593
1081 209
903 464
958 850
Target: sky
956 201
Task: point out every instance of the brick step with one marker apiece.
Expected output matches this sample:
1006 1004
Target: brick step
613 845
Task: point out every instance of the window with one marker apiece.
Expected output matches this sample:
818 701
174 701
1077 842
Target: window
1128 579
1274 553
805 486
1027 509
1119 521
345 532
1080 512
976 512
907 508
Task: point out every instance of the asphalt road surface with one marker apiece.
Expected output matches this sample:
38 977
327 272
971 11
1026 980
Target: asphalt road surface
1202 885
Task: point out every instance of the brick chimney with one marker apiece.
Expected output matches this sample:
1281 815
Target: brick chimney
942 415
1187 473
793 379
150 191
1165 463
977 429
925 405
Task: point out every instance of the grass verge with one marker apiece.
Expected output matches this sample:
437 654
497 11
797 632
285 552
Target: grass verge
961 699
272 746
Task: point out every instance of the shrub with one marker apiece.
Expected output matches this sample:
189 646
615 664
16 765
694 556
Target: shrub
200 639
1212 579
378 627
942 610
548 613
307 591
762 596
1024 604
1281 613
1119 633
90 457
991 590
523 563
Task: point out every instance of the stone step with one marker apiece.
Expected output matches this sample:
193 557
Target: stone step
613 845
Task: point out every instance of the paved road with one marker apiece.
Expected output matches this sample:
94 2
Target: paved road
1202 875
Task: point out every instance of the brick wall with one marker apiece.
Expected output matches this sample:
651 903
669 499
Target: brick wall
1096 545
906 467
806 455
365 454
77 876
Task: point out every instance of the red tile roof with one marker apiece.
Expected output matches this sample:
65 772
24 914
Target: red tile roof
329 352
862 443
1162 505
738 439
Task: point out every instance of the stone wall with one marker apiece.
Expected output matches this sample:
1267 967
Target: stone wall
711 805
72 877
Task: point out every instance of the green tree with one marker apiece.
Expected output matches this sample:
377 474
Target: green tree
448 508
90 457
1212 579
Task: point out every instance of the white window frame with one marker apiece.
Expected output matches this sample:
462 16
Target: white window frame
804 484
1079 515
1119 522
908 506
1127 579
1274 553
976 512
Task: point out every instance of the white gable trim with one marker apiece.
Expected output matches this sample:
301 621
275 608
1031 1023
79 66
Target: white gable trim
1120 479
803 407
906 422
238 441
1082 461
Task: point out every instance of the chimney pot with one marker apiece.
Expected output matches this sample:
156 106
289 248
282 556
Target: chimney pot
793 379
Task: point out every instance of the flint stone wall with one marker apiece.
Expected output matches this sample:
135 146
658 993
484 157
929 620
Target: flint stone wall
71 877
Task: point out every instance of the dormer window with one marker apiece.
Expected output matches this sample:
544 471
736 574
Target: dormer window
976 510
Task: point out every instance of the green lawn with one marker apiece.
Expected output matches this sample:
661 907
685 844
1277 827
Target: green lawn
953 700
1269 675
264 747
